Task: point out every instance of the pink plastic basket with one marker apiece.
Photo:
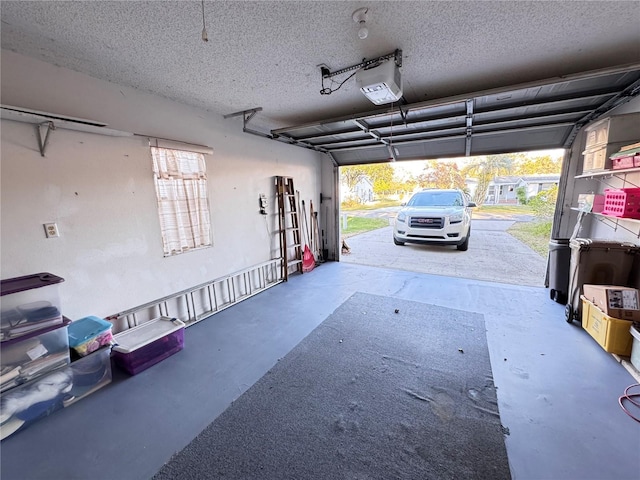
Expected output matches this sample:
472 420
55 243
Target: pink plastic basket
623 203
623 162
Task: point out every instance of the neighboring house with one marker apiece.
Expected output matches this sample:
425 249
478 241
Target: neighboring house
503 189
362 191
539 183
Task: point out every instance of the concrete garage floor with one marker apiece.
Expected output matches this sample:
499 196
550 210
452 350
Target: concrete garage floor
557 389
493 255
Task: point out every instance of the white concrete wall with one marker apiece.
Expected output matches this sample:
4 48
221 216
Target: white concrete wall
100 192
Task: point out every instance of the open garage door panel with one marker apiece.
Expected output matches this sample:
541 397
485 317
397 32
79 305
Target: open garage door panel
538 116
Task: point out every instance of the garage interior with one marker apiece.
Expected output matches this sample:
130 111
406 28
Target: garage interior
478 78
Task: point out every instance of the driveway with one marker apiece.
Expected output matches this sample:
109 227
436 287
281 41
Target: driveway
493 255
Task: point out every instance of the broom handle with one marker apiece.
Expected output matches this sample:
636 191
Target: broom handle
304 215
314 229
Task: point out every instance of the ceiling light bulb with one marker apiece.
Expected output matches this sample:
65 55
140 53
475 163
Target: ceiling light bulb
360 17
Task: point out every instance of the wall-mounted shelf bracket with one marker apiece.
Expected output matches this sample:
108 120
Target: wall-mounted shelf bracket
46 122
247 115
603 180
44 129
613 222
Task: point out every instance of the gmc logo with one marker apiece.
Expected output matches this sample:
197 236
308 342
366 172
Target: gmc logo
424 220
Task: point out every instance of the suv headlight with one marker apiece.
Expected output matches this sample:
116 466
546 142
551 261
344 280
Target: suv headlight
401 217
455 218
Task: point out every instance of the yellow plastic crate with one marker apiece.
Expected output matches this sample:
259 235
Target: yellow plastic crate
611 333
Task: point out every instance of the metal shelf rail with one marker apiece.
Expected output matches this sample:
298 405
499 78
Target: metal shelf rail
199 302
609 173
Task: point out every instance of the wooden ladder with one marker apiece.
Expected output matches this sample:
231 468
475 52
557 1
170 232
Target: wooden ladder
289 227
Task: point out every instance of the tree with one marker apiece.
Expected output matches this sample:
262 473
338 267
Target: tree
537 165
349 175
485 169
380 174
441 175
544 204
521 194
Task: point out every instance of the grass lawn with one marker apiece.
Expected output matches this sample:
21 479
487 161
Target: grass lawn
382 203
505 209
535 234
356 225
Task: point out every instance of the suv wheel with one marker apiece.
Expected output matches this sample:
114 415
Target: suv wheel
397 242
464 246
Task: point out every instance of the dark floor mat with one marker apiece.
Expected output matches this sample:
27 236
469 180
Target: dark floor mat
382 389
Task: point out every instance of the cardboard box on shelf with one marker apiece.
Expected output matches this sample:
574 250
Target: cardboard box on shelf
615 301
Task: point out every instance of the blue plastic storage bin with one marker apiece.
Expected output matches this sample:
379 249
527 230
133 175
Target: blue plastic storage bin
89 334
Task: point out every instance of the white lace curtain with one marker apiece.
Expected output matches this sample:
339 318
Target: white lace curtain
181 187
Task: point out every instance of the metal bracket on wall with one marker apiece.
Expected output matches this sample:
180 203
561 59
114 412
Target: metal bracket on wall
614 222
247 115
45 127
46 122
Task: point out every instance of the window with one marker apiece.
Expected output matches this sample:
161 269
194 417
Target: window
183 206
436 199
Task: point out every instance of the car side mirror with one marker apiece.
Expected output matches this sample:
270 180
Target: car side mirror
472 204
403 204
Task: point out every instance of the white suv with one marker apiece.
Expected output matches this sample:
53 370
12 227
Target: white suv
435 217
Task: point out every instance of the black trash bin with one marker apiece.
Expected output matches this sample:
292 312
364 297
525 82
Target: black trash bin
597 262
559 265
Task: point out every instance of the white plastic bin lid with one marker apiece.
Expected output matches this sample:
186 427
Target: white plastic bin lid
137 337
635 332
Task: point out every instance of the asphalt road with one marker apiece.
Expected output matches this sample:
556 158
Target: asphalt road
493 255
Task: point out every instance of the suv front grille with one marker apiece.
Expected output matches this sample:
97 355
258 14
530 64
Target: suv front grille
426 222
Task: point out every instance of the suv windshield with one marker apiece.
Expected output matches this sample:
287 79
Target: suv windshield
436 199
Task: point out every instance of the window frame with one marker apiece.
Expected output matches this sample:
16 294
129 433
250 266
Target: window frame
182 196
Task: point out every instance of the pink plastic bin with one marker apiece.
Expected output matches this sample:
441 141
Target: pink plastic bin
623 203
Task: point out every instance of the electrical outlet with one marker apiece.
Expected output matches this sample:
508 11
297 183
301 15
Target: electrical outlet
51 230
263 204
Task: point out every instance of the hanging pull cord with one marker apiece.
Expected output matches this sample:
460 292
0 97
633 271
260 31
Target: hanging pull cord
205 37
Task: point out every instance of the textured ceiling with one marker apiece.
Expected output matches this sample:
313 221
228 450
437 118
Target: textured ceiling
265 54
